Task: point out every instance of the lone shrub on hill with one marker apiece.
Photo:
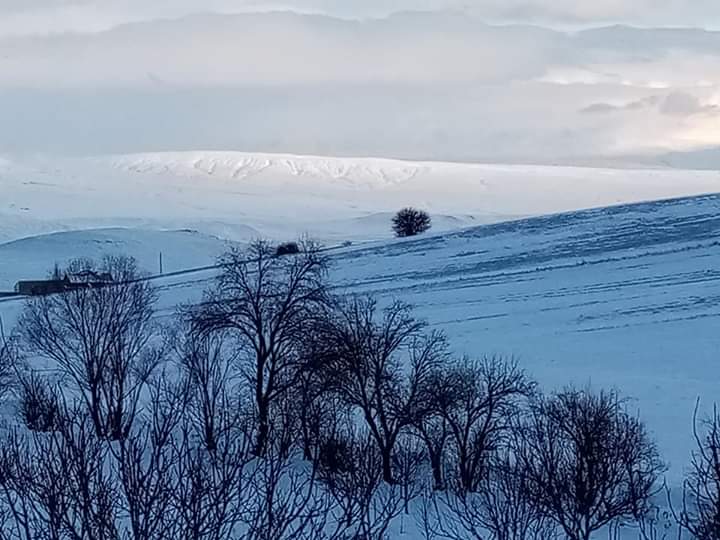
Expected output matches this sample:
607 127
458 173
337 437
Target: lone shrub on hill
411 222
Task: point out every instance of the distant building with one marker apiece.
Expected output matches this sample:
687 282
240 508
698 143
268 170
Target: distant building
38 288
90 276
81 280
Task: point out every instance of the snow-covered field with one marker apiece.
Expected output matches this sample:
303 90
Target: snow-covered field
237 195
34 257
625 296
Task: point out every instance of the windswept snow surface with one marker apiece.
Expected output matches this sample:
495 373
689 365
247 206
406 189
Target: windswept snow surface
240 195
625 297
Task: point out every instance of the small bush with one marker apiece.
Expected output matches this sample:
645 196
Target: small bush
336 456
39 407
411 222
288 248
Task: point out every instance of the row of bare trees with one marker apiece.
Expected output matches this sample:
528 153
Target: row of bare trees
273 409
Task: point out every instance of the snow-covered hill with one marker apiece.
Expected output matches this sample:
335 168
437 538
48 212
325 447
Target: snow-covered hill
239 195
625 297
34 257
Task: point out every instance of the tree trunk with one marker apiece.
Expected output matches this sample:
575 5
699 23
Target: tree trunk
306 435
116 427
263 430
386 454
436 465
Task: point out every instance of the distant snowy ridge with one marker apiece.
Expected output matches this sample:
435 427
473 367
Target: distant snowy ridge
366 172
239 195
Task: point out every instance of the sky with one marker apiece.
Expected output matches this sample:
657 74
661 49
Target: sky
531 81
23 16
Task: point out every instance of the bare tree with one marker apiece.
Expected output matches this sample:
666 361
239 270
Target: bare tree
102 337
207 499
317 411
58 485
85 460
35 509
382 367
321 412
146 463
655 523
434 432
8 361
505 505
486 395
501 509
207 365
700 512
350 468
285 500
588 462
409 466
433 428
268 302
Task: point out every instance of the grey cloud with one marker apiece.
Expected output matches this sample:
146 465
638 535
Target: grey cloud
642 12
636 105
468 123
43 16
283 48
425 86
677 103
20 6
601 108
684 104
286 48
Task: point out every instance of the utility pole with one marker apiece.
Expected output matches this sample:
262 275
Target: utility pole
161 263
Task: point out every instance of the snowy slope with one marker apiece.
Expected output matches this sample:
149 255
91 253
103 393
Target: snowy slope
238 195
33 257
625 297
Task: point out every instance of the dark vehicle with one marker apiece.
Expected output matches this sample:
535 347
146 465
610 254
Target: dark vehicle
288 248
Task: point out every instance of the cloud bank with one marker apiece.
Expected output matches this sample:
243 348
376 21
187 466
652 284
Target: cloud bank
445 85
42 16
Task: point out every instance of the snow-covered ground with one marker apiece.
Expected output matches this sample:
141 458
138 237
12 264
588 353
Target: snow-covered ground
237 196
625 297
34 257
